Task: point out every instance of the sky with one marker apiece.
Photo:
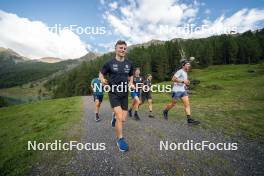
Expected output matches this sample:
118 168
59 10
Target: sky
69 29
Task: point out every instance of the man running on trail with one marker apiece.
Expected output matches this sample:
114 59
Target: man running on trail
135 94
120 71
180 79
98 96
146 94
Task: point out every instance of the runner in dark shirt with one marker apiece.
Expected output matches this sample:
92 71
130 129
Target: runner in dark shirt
120 71
146 94
135 94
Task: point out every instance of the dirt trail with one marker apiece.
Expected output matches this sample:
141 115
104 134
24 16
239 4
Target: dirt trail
145 157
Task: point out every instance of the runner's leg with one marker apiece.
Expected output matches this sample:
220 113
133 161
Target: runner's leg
168 107
171 105
137 102
186 104
187 109
124 115
97 106
150 104
119 121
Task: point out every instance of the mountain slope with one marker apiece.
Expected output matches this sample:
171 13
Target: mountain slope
16 70
10 57
23 72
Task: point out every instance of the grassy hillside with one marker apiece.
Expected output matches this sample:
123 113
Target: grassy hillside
229 98
42 121
27 92
24 72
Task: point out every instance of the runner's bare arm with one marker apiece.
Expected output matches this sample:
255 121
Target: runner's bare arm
177 80
102 79
130 78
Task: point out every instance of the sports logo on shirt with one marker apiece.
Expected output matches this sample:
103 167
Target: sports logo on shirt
115 67
127 68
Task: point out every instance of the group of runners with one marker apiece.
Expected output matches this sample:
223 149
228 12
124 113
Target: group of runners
121 71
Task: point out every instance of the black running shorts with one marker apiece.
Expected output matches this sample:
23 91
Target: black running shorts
118 99
145 96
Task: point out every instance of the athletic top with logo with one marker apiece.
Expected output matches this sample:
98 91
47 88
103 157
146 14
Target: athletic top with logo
181 75
96 84
138 81
118 71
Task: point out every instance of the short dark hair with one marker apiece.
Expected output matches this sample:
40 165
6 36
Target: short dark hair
184 61
120 42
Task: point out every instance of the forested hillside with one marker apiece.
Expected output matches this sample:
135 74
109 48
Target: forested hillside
161 60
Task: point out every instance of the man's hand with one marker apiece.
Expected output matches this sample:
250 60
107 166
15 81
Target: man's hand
186 82
131 86
104 81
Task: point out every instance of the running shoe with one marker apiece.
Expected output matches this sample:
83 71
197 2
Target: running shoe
192 121
122 145
136 116
97 119
151 116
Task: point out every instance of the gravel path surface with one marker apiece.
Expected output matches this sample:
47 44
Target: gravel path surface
145 157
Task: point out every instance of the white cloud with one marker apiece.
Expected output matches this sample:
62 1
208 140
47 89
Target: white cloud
140 21
34 40
241 21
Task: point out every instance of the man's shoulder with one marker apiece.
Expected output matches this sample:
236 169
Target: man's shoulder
178 71
128 61
183 71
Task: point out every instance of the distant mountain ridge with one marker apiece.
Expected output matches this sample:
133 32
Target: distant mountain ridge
16 69
8 54
49 59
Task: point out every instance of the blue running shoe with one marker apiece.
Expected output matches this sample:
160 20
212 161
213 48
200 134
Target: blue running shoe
113 121
122 145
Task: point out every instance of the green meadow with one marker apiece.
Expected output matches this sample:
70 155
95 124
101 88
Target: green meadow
43 121
229 98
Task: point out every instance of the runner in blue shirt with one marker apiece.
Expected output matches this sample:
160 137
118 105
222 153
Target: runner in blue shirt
98 96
